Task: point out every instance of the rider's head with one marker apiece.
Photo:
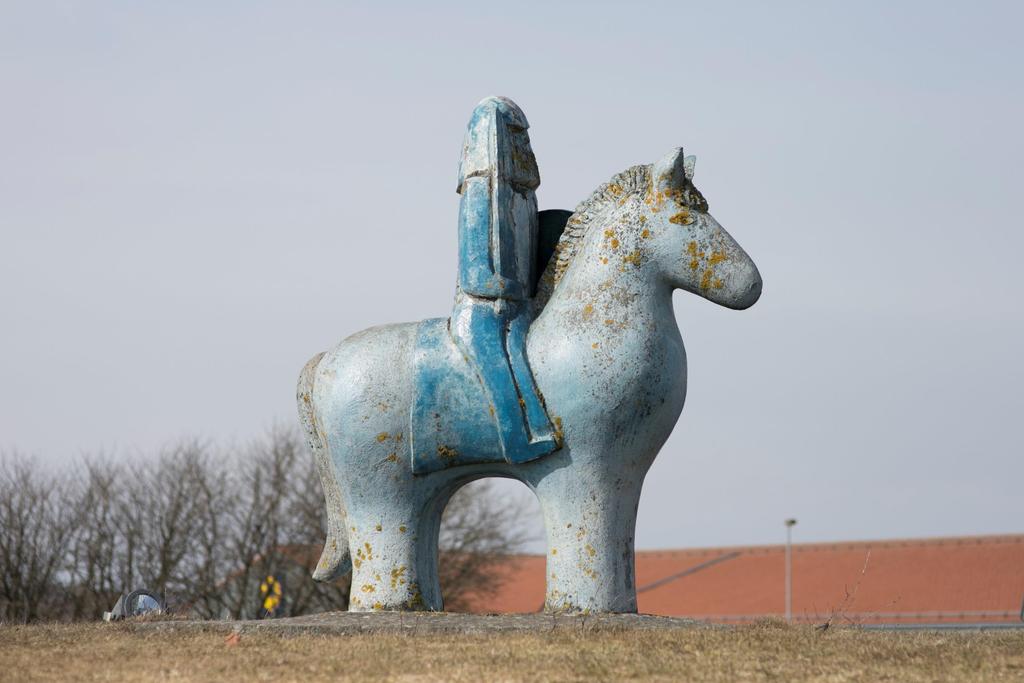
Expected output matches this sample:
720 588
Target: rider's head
497 144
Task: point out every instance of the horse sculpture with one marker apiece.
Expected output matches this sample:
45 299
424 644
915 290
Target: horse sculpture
607 358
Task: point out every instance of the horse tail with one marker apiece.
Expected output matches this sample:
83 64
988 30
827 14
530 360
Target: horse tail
335 561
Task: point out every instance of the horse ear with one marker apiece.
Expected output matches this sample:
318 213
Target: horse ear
672 170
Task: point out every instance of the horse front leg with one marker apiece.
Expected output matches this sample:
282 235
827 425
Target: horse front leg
590 524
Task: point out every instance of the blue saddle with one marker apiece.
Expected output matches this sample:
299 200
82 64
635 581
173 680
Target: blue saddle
451 422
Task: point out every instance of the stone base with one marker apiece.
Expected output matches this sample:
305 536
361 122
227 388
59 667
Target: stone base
351 623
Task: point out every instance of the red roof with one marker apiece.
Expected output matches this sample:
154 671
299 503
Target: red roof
945 580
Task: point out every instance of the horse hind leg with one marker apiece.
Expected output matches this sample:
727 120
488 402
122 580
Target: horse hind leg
335 561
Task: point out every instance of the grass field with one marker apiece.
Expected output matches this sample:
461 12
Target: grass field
767 652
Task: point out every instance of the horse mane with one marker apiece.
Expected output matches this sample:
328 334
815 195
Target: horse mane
635 181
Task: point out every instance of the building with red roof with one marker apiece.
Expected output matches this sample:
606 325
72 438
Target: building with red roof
967 580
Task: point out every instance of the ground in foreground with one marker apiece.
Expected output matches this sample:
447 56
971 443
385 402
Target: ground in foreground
128 652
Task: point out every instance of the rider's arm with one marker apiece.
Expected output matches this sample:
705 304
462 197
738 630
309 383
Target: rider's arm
477 275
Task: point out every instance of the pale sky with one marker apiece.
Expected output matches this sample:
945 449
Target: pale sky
196 197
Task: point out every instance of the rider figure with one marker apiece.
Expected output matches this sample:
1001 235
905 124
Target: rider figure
498 226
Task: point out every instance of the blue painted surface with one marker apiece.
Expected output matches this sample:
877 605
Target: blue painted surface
498 233
478 276
455 416
451 423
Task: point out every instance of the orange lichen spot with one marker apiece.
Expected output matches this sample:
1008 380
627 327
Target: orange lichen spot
642 218
678 196
609 233
369 588
417 598
615 243
379 527
383 436
491 408
633 257
604 259
402 529
705 278
588 311
645 233
396 575
447 452
398 436
717 257
694 263
594 345
609 321
681 218
377 607
691 248
615 189
393 457
654 198
590 550
554 551
718 284
559 434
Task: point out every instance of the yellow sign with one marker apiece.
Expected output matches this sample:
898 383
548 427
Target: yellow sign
271 592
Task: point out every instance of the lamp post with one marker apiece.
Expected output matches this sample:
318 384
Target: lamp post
790 523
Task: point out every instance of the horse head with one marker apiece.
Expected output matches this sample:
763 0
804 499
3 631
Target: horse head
649 225
702 257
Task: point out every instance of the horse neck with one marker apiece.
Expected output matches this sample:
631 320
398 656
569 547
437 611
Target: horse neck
604 296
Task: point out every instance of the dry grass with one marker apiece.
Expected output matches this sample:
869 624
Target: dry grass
770 652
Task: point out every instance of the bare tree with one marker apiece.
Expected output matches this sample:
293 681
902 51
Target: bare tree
205 569
256 516
96 560
144 524
167 519
204 528
35 526
479 532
